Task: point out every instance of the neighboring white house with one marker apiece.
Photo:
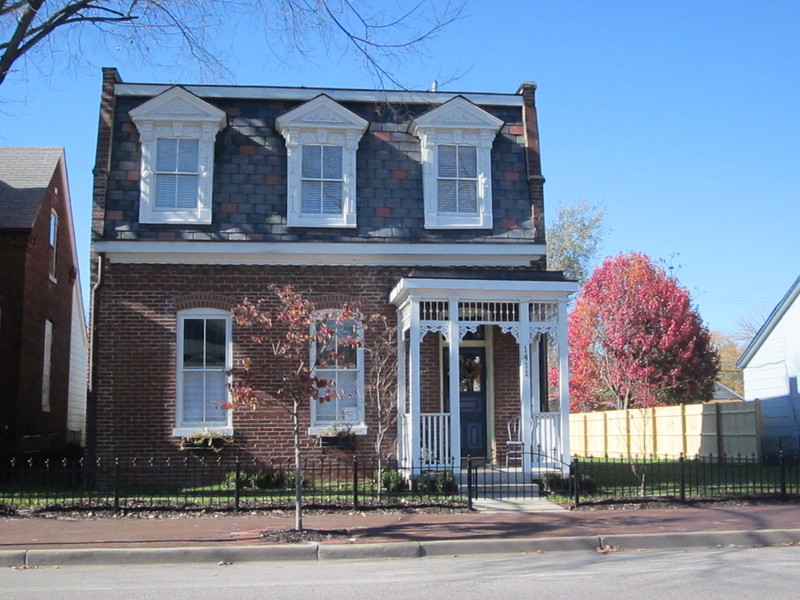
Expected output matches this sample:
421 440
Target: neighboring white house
771 365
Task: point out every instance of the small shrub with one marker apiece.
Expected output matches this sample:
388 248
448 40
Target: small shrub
556 483
268 479
392 481
441 482
230 480
288 479
446 483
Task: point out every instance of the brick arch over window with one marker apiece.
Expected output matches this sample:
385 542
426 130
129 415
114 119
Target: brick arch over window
336 301
217 301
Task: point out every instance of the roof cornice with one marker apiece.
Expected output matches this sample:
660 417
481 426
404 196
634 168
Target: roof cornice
769 325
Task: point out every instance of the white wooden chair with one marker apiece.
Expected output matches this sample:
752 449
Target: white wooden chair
515 447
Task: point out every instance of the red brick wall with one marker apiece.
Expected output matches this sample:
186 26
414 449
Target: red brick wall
33 298
135 341
506 385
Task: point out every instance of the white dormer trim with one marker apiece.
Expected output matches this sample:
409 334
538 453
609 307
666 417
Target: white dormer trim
457 122
177 114
321 122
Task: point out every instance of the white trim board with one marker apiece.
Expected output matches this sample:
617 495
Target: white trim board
480 289
311 253
304 94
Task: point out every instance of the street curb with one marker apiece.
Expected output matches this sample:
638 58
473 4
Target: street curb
138 556
312 552
12 558
509 546
378 550
699 539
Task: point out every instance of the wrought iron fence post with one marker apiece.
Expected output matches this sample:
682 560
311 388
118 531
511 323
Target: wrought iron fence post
116 485
355 482
782 464
237 490
576 482
469 483
682 464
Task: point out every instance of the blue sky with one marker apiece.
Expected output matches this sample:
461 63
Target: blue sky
681 118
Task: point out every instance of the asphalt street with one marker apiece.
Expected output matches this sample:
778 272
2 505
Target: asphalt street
740 573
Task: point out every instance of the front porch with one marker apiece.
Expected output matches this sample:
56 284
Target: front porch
473 356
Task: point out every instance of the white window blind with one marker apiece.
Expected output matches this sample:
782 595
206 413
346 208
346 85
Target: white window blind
457 179
177 162
321 180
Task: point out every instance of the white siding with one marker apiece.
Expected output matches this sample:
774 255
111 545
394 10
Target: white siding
772 376
78 368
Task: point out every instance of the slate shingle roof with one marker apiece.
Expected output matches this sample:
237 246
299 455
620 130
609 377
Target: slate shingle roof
25 173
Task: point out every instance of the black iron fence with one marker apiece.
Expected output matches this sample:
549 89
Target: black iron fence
682 479
216 483
230 484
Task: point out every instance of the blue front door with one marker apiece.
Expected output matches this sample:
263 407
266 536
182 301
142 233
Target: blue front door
472 394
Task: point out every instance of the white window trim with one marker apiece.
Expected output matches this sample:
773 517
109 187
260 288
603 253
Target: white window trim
181 428
177 114
457 122
357 426
47 365
320 122
52 256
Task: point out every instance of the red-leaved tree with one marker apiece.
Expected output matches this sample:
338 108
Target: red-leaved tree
636 341
286 326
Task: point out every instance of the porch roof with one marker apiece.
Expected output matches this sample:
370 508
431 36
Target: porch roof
483 284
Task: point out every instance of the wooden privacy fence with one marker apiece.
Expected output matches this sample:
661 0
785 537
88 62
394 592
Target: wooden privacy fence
730 429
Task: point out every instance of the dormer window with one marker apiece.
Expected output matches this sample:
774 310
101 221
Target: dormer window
177 132
456 142
457 180
321 181
321 142
177 173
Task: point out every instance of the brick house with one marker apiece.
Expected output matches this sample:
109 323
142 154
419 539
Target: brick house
43 337
425 207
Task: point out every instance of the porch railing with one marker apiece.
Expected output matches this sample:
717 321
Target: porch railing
546 444
435 439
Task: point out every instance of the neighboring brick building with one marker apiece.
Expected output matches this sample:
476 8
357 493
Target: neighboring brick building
42 325
422 206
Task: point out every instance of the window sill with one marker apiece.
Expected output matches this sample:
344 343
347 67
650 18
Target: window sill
358 429
223 431
321 223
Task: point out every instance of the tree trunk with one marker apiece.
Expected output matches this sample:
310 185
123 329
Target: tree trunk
298 478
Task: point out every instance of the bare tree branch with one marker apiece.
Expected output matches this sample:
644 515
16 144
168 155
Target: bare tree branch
380 37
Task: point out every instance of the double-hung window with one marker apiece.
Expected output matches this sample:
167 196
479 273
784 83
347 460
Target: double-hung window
177 173
456 146
321 143
176 180
457 180
322 180
203 363
338 359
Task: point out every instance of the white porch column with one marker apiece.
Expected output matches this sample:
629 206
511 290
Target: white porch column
402 367
536 390
563 380
454 340
414 372
526 409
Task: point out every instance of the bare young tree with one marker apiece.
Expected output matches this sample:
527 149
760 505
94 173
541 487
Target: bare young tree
378 33
380 349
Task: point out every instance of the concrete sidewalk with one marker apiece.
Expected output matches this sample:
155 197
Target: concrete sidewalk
36 541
